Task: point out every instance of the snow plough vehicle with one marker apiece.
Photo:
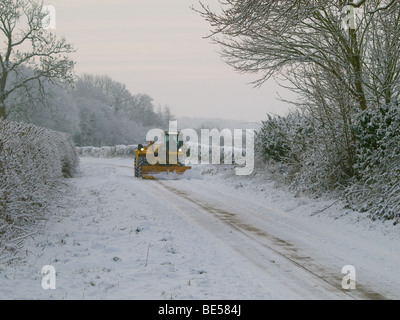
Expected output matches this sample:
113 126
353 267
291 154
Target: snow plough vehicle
159 157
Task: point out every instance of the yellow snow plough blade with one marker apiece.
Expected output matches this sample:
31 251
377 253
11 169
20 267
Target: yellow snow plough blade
150 172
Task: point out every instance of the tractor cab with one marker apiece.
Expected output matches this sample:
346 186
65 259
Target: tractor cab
171 139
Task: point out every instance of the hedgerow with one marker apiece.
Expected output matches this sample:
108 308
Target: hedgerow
33 162
366 173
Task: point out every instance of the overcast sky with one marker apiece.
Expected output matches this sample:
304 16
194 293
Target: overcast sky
158 47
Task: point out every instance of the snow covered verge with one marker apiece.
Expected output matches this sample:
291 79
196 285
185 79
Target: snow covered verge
267 185
33 161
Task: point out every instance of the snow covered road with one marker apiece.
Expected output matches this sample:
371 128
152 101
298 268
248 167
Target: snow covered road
207 237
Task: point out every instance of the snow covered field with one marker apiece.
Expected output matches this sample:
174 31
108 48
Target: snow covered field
208 235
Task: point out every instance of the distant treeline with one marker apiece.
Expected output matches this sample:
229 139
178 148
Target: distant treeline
96 111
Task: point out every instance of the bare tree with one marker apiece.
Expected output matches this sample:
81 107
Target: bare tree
272 37
340 57
113 93
25 44
382 59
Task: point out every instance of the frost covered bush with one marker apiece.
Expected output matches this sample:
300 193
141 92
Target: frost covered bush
377 189
274 138
315 159
224 154
33 160
302 148
120 151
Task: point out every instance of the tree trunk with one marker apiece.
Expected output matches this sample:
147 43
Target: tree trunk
356 62
3 114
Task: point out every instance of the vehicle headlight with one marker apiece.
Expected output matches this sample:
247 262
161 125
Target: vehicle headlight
142 149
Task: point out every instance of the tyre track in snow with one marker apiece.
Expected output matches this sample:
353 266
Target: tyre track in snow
269 253
297 271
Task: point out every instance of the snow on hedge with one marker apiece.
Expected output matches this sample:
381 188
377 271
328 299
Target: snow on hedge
33 161
302 154
121 151
377 189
